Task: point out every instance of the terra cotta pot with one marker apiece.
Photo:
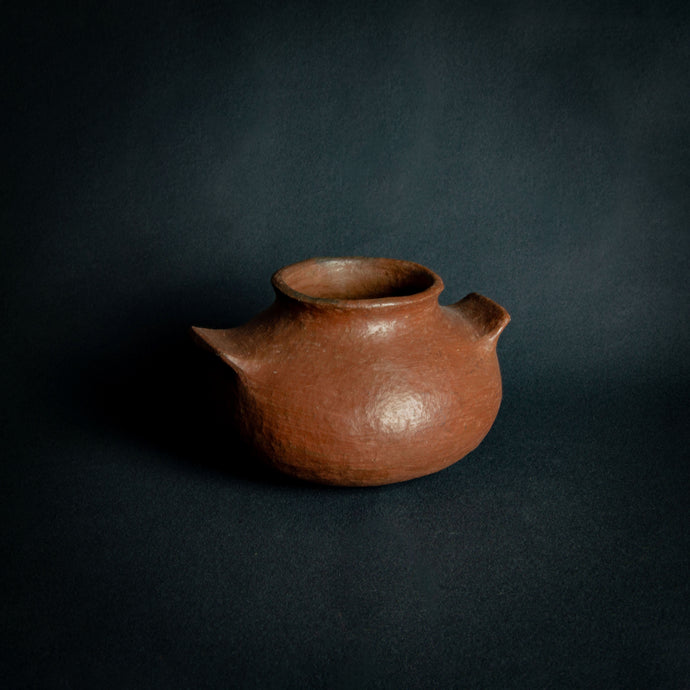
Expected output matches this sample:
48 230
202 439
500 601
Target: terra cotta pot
357 376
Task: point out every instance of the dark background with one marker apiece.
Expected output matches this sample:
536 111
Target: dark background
162 162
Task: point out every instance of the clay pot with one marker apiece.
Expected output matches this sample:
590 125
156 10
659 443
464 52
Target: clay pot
357 376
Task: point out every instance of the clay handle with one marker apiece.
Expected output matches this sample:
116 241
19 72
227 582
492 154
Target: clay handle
488 318
221 343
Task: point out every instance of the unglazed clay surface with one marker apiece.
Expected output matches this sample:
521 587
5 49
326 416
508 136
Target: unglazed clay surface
357 376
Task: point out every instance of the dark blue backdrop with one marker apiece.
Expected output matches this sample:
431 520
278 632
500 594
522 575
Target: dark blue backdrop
162 162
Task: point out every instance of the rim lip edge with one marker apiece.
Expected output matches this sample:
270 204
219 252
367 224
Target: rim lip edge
281 286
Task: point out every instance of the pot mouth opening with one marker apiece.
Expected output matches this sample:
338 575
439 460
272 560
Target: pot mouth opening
357 281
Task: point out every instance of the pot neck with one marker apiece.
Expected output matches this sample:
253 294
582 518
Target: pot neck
359 286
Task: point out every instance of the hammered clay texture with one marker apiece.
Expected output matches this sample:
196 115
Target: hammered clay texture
357 376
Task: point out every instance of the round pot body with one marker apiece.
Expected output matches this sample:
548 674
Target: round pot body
357 376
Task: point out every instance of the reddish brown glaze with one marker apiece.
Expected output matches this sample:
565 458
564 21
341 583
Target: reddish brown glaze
357 376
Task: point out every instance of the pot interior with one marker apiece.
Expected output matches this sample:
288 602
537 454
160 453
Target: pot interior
357 278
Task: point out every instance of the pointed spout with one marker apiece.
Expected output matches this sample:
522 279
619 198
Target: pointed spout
223 344
487 318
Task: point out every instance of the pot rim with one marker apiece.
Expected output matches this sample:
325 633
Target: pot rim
429 292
